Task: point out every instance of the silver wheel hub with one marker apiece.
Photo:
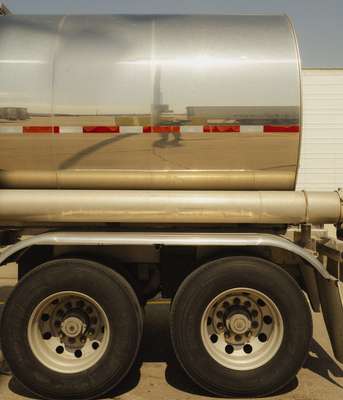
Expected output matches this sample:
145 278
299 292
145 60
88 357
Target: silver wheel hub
242 329
68 332
73 327
239 323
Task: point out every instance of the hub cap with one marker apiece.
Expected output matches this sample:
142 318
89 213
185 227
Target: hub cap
242 329
73 327
239 323
68 332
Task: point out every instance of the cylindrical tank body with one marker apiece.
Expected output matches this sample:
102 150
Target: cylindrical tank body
149 102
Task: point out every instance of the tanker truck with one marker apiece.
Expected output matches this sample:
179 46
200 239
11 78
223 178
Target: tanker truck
159 158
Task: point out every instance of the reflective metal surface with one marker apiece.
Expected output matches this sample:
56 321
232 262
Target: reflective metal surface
184 95
238 332
19 207
134 179
68 332
167 239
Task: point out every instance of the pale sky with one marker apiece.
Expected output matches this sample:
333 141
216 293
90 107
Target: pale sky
318 23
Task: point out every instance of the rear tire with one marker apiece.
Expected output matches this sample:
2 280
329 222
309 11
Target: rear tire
71 329
241 326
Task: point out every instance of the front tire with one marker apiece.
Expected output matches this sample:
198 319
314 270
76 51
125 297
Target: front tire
240 326
71 329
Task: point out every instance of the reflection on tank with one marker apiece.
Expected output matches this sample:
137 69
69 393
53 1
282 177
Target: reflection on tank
157 110
219 115
245 115
162 115
151 94
14 113
175 138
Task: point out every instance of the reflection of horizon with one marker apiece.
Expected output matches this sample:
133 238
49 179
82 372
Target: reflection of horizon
180 119
196 115
209 110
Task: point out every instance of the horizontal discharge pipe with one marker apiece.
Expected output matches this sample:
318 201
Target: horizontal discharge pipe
25 207
148 180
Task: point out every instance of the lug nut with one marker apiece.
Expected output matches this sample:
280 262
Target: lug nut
80 304
247 304
220 326
227 335
219 314
238 338
236 301
254 324
261 303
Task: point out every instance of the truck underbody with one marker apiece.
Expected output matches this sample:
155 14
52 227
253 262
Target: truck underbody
156 261
157 156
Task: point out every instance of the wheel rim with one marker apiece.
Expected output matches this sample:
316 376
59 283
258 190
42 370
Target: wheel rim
242 329
68 332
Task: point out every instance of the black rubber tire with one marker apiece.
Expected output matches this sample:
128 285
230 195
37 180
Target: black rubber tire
113 294
207 282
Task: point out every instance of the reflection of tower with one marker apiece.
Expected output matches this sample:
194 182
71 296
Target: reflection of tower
157 107
4 10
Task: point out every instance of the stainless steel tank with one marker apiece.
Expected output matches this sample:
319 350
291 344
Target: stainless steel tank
149 102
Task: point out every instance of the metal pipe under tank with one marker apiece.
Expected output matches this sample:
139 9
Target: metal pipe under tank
25 207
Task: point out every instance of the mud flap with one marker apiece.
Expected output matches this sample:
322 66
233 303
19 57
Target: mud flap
331 298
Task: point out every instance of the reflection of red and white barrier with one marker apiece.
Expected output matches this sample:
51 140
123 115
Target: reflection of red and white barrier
115 129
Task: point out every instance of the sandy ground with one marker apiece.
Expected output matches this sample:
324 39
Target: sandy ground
157 375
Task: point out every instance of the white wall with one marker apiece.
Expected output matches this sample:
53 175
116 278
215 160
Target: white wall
321 161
